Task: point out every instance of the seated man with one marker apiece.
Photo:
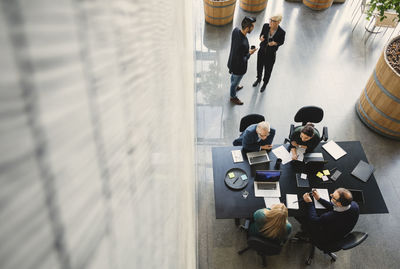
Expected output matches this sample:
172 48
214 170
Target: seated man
256 137
334 224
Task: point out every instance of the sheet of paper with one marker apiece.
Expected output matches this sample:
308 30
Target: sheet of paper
231 175
300 153
325 178
237 156
334 149
269 201
282 153
291 201
323 193
303 176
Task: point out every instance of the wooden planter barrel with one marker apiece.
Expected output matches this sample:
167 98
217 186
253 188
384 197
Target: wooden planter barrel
219 12
253 5
379 104
318 4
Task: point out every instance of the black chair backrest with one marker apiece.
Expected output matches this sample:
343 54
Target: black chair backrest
250 119
306 114
351 240
264 246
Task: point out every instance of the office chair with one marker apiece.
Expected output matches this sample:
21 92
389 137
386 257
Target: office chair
245 122
263 247
306 114
351 240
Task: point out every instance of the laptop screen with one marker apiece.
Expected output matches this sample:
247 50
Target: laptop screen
268 175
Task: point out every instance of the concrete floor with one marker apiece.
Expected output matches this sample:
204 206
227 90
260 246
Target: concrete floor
321 63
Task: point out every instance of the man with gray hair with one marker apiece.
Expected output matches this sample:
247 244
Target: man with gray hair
272 36
256 137
333 225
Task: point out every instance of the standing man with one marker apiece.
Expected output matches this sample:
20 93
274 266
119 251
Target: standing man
272 36
239 55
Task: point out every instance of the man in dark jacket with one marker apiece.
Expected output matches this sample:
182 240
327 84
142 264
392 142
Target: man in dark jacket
333 225
239 55
272 36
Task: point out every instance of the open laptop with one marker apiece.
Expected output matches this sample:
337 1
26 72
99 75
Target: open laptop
358 196
266 183
257 157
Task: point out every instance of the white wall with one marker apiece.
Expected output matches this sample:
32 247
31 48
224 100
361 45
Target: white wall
96 134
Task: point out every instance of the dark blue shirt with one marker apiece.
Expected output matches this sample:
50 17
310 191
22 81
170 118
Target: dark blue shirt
251 141
332 225
239 54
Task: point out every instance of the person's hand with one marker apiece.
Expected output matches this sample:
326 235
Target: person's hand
252 51
294 156
272 43
316 194
307 198
294 144
262 38
267 147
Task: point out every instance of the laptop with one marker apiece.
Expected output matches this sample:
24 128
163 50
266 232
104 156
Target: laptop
257 157
358 196
314 158
363 171
266 183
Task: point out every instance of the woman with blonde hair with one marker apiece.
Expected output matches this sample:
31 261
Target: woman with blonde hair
271 223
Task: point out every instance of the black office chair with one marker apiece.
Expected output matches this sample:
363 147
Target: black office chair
263 247
351 240
306 114
245 122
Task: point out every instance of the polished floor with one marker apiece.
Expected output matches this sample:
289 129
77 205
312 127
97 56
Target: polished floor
322 63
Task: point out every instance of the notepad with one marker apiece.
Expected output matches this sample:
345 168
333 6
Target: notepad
231 175
334 150
237 156
323 193
269 201
291 201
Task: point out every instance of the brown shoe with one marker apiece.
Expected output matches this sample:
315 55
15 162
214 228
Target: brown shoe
238 88
236 101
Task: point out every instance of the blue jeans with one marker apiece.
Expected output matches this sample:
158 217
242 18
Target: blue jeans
235 80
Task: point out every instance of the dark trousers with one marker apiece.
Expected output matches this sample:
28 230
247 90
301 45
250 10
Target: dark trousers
265 60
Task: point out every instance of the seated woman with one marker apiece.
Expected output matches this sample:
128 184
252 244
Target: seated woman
306 137
271 223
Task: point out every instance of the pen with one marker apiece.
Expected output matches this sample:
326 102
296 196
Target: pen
332 169
235 180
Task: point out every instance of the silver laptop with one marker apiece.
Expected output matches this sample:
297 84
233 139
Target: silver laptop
257 157
266 183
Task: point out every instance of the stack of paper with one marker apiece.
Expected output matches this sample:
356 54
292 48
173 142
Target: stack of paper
291 201
334 150
323 193
282 153
269 201
300 153
237 156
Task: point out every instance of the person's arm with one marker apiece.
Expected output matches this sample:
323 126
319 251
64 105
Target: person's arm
281 38
267 143
313 143
250 142
264 34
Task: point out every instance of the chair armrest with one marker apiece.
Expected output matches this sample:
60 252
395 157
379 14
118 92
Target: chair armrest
324 134
291 131
246 225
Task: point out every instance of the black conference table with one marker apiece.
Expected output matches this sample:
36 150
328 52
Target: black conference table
230 204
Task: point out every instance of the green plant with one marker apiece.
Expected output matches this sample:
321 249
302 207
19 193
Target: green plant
381 6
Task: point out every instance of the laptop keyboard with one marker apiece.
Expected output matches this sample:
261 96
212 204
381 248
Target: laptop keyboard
264 186
258 159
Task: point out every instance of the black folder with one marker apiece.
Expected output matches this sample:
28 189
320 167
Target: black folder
302 183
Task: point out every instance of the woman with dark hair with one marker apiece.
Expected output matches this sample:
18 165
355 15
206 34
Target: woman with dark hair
306 137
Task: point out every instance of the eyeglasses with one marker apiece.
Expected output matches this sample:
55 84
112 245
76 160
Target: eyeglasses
273 20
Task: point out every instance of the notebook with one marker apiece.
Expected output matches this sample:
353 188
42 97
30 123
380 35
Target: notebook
363 171
334 150
302 181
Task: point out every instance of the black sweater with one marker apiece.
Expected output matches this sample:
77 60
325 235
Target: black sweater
239 54
332 225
